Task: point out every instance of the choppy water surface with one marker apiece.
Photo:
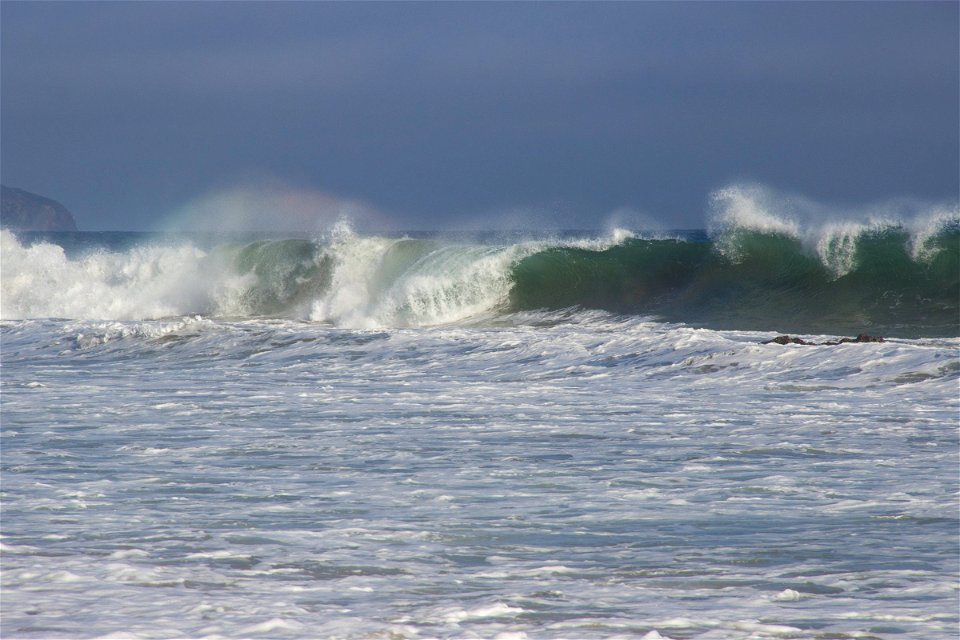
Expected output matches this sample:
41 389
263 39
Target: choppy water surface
359 436
569 474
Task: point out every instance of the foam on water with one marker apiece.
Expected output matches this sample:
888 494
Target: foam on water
362 436
145 282
443 284
563 474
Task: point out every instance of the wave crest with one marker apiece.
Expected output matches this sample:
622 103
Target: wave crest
758 267
832 234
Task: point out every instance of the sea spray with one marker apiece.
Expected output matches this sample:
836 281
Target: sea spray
357 262
411 282
753 270
39 280
831 233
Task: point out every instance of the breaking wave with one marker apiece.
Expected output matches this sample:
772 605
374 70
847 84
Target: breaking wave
752 269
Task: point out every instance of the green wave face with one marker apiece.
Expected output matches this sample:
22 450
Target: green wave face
763 281
284 275
632 276
844 278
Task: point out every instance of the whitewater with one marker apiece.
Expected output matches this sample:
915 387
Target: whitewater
570 435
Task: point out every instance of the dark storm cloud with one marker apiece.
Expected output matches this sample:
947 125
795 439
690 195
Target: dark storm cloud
440 112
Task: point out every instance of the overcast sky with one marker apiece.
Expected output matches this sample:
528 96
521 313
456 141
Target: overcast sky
474 114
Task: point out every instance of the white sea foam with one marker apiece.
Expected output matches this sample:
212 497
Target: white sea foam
654 635
604 481
787 595
495 610
271 627
144 282
447 284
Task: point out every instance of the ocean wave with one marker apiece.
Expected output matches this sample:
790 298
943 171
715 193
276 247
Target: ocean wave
756 267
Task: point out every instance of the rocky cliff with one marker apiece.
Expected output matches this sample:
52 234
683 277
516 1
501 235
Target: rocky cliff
24 211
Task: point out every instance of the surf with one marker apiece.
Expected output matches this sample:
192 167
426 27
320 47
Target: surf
751 269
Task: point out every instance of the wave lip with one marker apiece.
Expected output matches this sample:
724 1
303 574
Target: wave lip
831 233
759 268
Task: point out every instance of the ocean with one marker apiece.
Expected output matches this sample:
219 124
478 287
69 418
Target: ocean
523 435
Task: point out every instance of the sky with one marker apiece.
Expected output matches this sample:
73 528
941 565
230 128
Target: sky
140 115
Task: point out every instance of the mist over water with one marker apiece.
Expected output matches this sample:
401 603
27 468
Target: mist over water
268 206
